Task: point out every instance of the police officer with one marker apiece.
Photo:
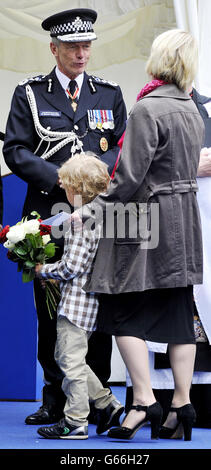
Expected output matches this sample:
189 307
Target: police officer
51 118
1 189
1 201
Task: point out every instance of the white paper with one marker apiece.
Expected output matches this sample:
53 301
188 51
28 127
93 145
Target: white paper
57 219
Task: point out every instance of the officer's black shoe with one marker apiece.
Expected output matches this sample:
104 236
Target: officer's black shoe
109 416
93 414
43 416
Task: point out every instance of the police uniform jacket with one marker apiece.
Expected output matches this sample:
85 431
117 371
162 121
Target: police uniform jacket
56 114
200 101
1 199
158 165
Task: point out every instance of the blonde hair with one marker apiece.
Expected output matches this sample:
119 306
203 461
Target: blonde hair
86 174
174 58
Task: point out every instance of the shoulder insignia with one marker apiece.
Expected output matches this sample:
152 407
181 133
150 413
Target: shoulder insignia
39 78
104 82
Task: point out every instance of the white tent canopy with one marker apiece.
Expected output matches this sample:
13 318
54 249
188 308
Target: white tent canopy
125 30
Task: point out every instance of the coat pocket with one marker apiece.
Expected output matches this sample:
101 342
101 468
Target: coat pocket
133 224
54 123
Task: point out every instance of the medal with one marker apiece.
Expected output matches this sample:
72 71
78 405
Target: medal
100 119
92 123
110 119
74 106
103 144
73 97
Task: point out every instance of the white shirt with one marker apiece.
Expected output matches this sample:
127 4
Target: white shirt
64 80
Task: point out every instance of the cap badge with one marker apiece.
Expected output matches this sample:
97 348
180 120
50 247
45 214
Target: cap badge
78 23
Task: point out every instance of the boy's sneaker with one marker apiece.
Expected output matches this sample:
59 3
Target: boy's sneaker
64 430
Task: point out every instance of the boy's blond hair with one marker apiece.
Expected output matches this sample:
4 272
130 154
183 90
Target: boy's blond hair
174 58
86 174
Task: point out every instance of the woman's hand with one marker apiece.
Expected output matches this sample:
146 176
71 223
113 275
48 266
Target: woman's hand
76 221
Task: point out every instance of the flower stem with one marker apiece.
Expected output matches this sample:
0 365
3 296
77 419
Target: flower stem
52 297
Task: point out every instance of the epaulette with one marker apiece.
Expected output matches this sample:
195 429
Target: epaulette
38 78
104 82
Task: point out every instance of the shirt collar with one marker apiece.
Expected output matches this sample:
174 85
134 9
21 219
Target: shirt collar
64 80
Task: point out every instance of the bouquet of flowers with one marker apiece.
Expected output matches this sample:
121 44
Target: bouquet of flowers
29 243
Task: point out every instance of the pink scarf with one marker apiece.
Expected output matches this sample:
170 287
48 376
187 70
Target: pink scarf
150 87
144 91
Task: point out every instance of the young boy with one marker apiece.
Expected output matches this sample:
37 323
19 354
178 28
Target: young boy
83 177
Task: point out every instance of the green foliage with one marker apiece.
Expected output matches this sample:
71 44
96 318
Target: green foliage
29 252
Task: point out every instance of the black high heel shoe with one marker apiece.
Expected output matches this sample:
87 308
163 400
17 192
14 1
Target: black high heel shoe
186 416
154 414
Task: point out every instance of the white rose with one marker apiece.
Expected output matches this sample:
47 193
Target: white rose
16 233
46 239
8 244
31 226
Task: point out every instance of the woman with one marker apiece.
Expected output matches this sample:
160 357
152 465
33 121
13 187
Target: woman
146 287
161 375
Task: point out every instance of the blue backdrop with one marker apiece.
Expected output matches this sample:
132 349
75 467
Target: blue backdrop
20 373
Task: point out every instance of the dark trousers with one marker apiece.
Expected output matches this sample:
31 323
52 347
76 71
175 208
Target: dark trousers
98 357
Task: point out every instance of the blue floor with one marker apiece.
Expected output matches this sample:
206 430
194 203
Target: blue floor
16 435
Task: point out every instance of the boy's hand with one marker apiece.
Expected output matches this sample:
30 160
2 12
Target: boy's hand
38 268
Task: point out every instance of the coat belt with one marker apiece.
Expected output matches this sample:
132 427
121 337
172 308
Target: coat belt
181 186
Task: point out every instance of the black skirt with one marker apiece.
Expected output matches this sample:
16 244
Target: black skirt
159 315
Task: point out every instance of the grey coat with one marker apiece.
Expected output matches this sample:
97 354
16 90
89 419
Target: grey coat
157 168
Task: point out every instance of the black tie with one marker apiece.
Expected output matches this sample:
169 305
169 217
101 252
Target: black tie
72 91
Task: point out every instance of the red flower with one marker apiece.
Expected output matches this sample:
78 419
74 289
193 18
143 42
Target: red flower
45 229
10 255
3 234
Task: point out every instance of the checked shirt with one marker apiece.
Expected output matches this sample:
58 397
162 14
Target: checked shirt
72 270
